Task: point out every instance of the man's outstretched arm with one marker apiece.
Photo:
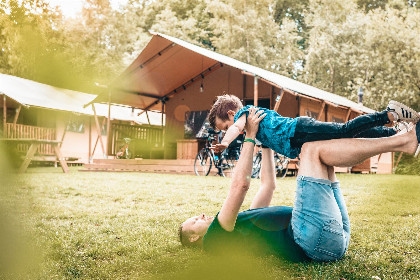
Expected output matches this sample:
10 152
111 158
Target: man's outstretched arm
242 175
232 132
268 180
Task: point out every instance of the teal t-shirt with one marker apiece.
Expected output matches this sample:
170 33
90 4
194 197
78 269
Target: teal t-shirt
262 231
275 131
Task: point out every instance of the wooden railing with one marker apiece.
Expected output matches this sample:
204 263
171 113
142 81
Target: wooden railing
144 138
21 131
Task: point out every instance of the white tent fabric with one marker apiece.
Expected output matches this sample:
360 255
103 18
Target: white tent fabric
277 79
30 93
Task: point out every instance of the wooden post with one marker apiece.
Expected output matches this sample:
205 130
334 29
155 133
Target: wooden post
243 87
108 129
60 158
255 90
98 129
398 160
348 115
17 115
163 129
392 161
28 158
4 115
273 91
326 112
97 138
90 140
298 105
148 120
320 111
276 107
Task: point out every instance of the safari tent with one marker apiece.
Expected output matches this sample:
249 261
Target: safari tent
182 81
31 110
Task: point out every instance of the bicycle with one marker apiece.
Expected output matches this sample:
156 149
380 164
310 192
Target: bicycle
281 164
206 157
124 151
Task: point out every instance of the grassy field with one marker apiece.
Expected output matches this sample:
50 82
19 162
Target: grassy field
124 226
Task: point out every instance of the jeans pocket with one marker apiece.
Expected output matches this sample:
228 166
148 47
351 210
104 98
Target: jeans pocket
331 244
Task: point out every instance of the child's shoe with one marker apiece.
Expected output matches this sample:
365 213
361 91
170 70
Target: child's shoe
403 127
404 112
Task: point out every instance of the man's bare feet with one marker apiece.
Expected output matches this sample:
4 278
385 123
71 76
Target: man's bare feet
417 130
410 142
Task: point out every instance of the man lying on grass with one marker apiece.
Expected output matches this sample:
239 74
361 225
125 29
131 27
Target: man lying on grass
318 226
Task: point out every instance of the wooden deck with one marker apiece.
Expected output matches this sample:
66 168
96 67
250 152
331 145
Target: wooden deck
174 166
185 166
20 131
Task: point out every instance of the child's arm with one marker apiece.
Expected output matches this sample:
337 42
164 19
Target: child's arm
231 134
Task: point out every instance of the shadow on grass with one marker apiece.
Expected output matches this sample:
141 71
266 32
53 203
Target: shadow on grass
239 266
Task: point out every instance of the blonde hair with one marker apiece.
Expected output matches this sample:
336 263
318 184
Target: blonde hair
220 108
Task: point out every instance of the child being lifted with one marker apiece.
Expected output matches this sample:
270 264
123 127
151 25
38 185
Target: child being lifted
287 135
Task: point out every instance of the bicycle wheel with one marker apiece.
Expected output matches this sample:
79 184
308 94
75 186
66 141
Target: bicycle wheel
225 167
202 163
229 161
282 165
256 166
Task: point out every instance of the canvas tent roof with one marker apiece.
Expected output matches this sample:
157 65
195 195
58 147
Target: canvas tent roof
167 63
30 93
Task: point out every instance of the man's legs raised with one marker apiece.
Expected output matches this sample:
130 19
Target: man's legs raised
340 202
349 152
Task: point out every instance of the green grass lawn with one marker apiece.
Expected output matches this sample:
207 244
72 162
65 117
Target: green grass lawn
124 226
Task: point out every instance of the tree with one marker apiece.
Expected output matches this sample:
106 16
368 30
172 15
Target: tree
247 31
295 11
378 52
29 35
392 46
184 19
39 44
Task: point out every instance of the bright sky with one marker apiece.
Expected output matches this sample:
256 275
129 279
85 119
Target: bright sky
70 8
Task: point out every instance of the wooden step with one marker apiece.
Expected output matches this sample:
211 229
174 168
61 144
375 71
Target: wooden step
148 167
145 161
154 166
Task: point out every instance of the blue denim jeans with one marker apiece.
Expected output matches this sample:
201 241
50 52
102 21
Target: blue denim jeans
364 126
320 221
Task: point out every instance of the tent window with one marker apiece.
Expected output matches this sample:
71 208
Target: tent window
104 129
76 126
196 124
337 120
263 103
311 114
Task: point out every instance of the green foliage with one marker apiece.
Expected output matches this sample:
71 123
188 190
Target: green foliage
336 46
295 11
408 165
378 51
247 31
39 44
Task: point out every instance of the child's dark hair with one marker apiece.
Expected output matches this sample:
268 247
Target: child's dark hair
220 108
